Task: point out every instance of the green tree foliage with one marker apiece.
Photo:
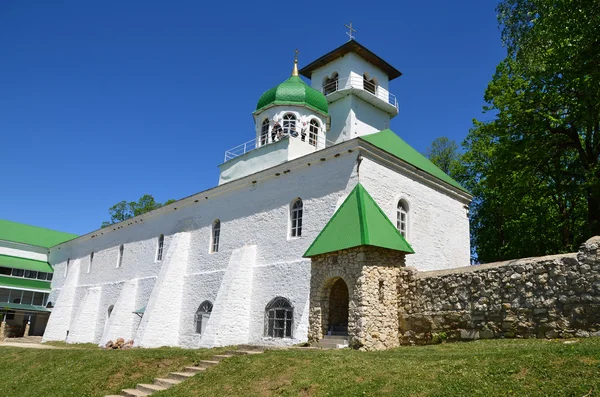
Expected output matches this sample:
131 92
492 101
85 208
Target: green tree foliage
443 152
124 210
534 169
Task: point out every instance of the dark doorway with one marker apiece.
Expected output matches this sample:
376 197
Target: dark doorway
338 308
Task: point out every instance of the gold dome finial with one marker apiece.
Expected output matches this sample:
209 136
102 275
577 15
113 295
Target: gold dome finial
295 71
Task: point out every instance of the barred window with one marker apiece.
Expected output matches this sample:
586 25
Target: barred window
202 316
402 217
216 235
296 218
313 132
159 249
279 318
264 132
120 256
289 124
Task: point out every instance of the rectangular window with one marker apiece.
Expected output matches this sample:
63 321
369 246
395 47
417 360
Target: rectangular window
27 298
6 271
10 315
30 274
41 276
216 236
38 298
4 295
17 272
49 276
159 249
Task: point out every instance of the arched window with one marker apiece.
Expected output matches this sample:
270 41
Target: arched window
202 315
330 84
159 248
110 310
313 132
402 217
296 218
264 132
279 318
120 257
91 262
67 266
216 235
289 124
369 85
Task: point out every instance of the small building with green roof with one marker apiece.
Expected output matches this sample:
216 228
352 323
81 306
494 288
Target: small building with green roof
25 277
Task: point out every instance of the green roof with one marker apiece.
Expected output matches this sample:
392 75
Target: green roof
359 221
24 283
294 91
32 235
25 264
390 142
24 308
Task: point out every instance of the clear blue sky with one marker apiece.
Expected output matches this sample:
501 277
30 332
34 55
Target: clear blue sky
102 101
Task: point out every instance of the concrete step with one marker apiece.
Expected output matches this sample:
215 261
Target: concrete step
220 357
165 382
242 352
207 363
330 344
336 337
148 388
181 375
134 393
194 369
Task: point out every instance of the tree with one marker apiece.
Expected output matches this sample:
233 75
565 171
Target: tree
443 152
124 210
534 169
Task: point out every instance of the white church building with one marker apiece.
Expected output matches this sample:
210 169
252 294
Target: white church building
227 265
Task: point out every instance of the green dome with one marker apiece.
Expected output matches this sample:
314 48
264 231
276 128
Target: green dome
294 91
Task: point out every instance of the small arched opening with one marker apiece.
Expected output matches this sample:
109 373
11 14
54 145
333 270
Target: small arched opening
369 84
330 84
337 322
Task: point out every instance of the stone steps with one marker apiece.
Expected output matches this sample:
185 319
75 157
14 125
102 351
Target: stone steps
175 378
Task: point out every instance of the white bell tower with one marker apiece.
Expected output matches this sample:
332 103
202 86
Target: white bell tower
355 82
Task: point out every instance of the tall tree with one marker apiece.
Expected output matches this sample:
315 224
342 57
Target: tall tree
535 168
124 210
443 152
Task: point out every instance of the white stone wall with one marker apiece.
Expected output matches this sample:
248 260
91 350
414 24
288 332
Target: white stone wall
438 225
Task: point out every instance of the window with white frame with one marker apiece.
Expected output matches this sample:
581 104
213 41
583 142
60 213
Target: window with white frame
202 316
264 132
160 247
279 318
91 262
120 255
402 217
289 124
313 132
296 218
216 235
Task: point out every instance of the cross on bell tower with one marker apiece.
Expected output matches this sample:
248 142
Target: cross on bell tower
351 30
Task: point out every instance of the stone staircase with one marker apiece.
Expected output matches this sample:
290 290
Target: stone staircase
175 378
332 342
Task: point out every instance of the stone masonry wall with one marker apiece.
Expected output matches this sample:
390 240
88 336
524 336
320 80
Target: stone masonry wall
547 297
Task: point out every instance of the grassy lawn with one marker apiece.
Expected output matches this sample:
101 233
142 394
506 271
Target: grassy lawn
86 370
483 368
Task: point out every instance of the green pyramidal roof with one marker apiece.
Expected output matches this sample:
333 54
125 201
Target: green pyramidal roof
294 91
390 142
359 221
32 235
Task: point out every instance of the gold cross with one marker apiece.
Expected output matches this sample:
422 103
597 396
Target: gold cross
351 30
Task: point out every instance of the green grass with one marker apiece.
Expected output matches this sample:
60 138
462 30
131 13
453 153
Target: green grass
482 368
86 370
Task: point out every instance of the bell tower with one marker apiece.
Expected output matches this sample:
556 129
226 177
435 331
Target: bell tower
355 83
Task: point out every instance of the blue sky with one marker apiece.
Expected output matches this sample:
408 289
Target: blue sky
103 101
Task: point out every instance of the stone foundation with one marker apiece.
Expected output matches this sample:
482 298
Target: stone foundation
547 297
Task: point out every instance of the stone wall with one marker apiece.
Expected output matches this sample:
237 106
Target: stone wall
547 297
371 275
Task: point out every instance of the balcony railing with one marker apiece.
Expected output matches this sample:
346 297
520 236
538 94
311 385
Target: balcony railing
357 82
318 142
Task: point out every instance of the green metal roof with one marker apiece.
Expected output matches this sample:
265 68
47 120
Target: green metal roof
24 283
24 308
294 91
390 142
25 264
32 235
359 221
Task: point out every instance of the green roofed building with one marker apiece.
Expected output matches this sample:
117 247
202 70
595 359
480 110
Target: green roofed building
25 277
